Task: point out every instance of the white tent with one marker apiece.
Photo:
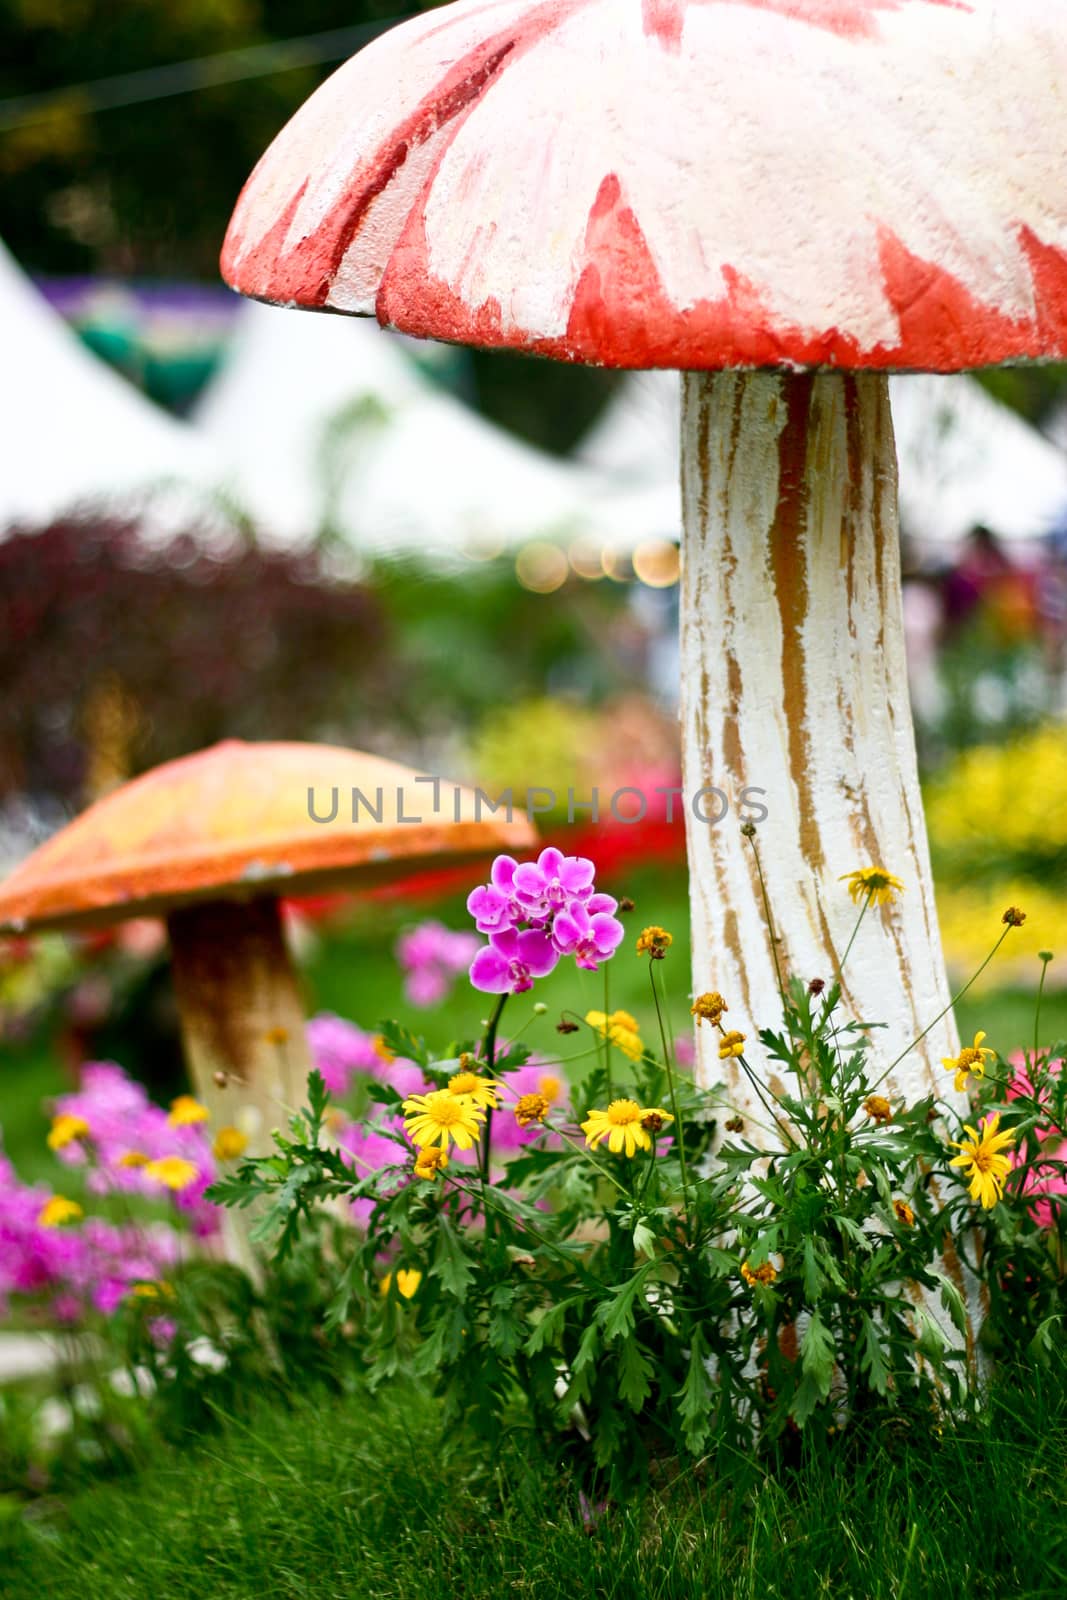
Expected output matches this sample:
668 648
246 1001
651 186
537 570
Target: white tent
964 458
327 421
72 430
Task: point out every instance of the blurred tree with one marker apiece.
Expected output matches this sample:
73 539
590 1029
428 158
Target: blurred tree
144 188
115 655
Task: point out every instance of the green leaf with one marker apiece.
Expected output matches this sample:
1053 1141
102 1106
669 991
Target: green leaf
635 1372
722 1263
953 1303
318 1100
930 1339
451 1263
547 1329
617 1315
587 1349
872 1356
813 1277
505 1331
402 1042
854 1231
695 1396
644 1238
817 1366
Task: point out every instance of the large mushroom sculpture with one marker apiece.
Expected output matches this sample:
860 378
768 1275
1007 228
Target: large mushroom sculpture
210 842
785 200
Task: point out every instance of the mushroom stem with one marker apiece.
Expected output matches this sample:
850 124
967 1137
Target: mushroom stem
242 1022
795 685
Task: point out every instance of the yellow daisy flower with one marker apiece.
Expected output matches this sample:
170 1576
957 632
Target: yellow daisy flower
174 1172
65 1130
620 1125
153 1289
708 1008
229 1144
531 1108
430 1162
620 1029
482 1092
655 942
764 1273
878 1107
58 1210
731 1044
876 882
185 1111
971 1059
983 1160
442 1117
133 1158
407 1281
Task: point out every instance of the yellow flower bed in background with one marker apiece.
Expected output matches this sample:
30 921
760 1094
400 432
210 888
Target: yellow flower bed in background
1006 800
970 920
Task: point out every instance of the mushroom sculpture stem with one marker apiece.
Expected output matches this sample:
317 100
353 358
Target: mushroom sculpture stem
794 682
241 1016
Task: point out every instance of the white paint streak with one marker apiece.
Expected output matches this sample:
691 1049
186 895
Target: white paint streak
809 704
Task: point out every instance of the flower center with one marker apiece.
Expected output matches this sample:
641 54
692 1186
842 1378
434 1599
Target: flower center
446 1112
622 1112
463 1083
549 1087
968 1057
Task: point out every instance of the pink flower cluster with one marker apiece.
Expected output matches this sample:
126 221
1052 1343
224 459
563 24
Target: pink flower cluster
431 958
123 1123
1044 1180
92 1265
534 914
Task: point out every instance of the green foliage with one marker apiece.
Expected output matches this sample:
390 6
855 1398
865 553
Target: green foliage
619 1311
335 1497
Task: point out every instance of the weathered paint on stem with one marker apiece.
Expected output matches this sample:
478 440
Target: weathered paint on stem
794 682
243 1028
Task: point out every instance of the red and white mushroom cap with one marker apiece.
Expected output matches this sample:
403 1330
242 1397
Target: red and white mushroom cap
685 183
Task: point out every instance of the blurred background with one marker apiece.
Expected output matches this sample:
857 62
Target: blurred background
219 519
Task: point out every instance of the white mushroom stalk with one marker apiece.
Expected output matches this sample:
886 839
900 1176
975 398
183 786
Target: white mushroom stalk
794 683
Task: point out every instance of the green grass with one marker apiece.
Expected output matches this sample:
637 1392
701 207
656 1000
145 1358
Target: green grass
358 1499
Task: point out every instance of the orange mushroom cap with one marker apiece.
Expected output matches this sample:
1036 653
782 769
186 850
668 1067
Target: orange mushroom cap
235 822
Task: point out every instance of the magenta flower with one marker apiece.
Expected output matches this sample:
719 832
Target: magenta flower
494 906
553 881
366 1148
340 1049
589 939
432 957
1049 1177
511 961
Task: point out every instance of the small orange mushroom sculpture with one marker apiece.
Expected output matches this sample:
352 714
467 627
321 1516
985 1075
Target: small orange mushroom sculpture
210 842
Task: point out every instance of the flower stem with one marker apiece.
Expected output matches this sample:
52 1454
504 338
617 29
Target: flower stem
489 1056
751 837
1045 959
607 1033
943 1013
856 929
670 1084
